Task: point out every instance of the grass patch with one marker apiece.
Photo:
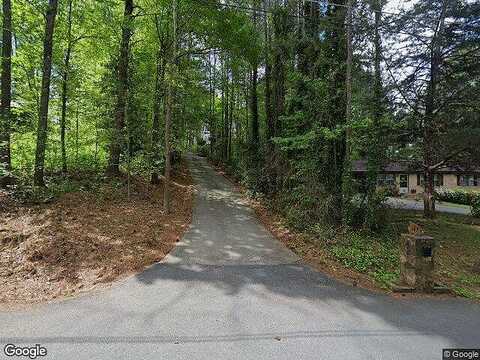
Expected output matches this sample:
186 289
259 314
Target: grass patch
377 255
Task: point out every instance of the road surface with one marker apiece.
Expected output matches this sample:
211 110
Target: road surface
231 291
409 204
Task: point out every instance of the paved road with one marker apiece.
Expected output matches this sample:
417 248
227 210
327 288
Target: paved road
231 291
410 204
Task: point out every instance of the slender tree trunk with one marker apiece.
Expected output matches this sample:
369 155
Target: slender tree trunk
376 149
6 87
254 108
159 84
38 178
271 166
337 109
213 133
169 114
246 92
428 126
226 117
230 120
278 70
65 76
222 119
168 157
212 102
120 108
377 43
348 81
254 131
347 183
270 133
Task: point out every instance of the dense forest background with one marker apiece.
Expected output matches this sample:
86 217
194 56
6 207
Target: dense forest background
285 94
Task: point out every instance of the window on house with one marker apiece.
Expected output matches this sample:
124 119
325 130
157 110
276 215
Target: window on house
468 180
437 180
386 180
390 179
404 181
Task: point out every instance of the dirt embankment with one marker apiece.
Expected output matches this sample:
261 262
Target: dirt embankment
85 240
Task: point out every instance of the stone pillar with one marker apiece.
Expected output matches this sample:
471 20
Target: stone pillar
417 261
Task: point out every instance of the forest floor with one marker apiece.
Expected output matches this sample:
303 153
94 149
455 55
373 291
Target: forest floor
86 239
371 260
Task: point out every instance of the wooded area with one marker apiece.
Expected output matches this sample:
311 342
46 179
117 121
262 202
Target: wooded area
286 94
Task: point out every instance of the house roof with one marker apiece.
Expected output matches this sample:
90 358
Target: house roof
409 167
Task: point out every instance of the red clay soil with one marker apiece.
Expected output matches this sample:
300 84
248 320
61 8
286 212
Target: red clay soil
86 240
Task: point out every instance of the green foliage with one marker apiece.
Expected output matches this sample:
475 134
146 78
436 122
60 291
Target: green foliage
376 257
368 211
56 186
458 196
475 205
203 150
465 292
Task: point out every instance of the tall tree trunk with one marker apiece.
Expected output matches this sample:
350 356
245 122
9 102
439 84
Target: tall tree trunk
6 87
376 150
347 190
246 92
213 135
211 122
122 91
254 108
278 70
254 132
38 177
65 76
230 120
222 118
337 108
159 84
226 117
348 76
428 126
169 113
270 128
377 43
168 157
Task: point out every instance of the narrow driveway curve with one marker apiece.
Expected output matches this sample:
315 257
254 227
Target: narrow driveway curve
231 291
224 229
409 204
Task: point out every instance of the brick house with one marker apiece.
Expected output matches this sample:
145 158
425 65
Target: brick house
407 179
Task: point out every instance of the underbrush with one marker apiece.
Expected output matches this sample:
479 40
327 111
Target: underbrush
376 253
82 179
377 256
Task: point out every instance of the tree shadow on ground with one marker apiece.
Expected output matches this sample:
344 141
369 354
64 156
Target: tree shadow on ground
454 319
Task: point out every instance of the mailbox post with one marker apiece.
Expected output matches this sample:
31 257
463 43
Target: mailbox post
417 253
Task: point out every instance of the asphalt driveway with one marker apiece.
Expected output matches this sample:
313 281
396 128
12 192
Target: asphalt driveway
231 291
409 204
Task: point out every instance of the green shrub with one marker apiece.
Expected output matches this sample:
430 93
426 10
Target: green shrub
458 196
369 212
475 205
203 150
